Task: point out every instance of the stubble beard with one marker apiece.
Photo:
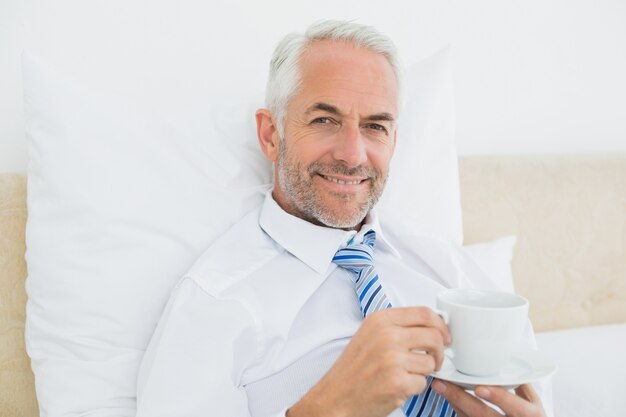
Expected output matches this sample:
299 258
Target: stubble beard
299 188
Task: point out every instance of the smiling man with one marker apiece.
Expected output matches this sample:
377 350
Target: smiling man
332 160
305 308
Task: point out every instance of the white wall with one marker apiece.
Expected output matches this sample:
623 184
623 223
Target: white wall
540 75
532 76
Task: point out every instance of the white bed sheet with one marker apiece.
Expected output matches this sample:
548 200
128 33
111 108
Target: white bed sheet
591 379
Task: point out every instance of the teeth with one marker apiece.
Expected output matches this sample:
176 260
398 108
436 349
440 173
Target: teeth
338 181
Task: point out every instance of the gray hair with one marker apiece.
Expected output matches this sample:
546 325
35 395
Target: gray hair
285 78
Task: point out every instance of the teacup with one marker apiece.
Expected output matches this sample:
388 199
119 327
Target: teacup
485 327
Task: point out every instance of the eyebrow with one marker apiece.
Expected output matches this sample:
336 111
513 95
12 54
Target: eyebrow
329 108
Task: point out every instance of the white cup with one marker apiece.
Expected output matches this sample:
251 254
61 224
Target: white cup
485 327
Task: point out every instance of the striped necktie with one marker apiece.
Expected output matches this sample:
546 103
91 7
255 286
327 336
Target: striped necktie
359 259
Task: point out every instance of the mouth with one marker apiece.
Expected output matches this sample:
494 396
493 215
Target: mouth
343 181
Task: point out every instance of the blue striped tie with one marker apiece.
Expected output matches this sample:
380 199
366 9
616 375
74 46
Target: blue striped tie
359 258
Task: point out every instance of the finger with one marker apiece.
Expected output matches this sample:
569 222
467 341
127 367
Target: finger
527 392
462 401
417 384
510 403
420 363
418 317
424 339
439 356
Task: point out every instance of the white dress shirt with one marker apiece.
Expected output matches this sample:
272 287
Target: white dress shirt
264 313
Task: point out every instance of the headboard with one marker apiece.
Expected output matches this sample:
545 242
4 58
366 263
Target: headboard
569 214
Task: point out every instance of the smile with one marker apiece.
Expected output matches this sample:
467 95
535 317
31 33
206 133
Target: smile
342 182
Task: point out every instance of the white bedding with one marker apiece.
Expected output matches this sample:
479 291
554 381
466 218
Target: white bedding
591 378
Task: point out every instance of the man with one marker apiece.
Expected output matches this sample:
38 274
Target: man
266 323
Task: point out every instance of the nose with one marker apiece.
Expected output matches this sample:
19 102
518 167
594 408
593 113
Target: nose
350 147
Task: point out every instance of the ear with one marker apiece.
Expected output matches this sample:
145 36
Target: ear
267 133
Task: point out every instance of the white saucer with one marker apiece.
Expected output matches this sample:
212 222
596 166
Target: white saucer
525 366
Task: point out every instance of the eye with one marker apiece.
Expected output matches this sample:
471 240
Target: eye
323 120
377 127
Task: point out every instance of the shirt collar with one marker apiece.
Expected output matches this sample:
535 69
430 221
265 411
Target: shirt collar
312 244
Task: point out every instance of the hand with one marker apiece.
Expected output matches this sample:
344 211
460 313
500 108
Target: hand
385 363
524 403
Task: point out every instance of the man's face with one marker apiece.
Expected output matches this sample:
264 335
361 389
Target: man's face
340 132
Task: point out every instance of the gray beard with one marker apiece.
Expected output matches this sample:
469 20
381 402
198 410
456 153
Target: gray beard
300 191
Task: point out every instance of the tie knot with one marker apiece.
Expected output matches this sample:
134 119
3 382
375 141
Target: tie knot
359 259
369 239
357 256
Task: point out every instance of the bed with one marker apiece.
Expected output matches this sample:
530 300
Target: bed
569 215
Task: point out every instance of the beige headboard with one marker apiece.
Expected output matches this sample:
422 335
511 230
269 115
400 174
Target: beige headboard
17 388
569 213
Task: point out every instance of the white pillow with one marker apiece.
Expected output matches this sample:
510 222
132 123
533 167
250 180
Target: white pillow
422 192
494 258
121 204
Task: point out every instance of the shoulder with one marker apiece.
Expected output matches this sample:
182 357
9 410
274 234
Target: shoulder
243 249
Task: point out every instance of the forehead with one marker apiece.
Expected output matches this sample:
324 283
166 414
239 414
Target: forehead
348 77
